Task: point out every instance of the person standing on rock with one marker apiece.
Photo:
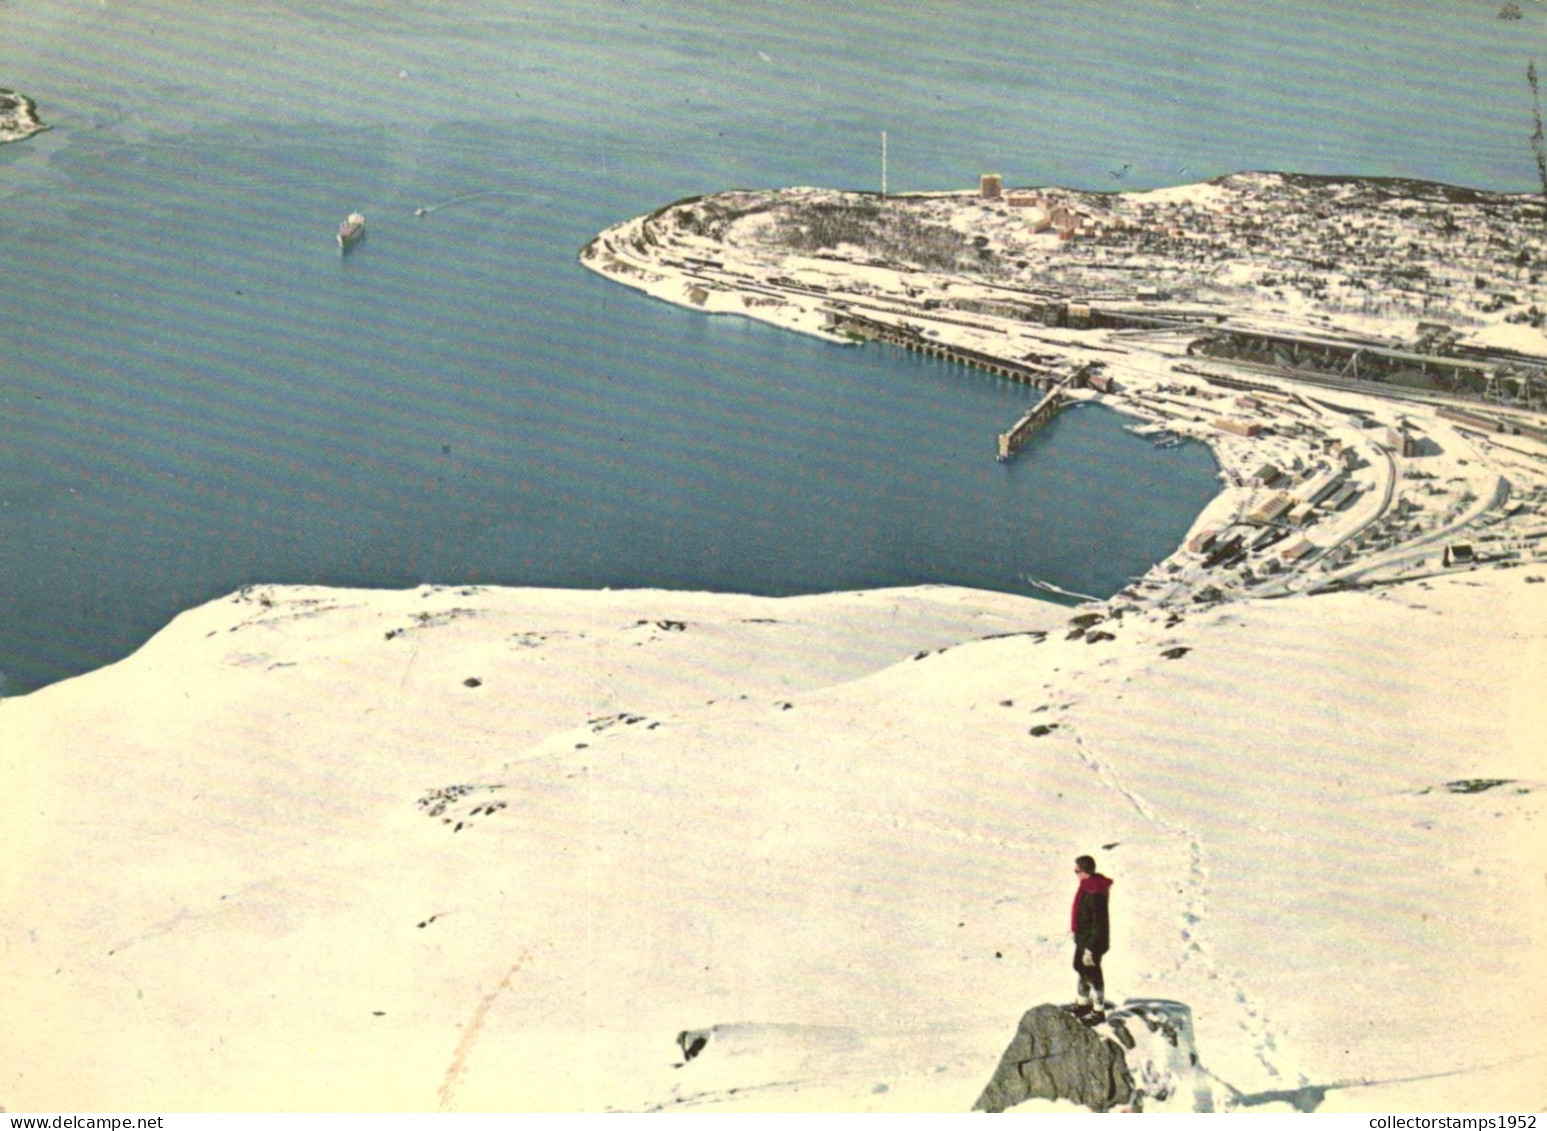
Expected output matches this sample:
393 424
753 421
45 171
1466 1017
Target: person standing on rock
1092 937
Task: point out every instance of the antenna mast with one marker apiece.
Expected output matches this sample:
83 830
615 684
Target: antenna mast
883 163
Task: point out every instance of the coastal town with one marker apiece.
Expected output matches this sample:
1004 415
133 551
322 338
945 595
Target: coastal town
1365 357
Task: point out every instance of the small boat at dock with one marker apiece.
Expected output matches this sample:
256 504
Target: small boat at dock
351 231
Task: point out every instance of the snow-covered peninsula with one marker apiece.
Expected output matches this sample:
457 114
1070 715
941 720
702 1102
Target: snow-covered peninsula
18 117
471 848
1366 358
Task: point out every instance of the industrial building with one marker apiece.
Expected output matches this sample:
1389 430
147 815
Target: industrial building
1274 508
1247 428
1320 487
1296 550
1301 514
1402 442
1344 495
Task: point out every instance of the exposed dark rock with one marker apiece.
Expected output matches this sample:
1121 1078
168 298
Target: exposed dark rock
472 681
1119 1029
1176 653
1476 785
1037 635
692 1042
1054 1057
1098 636
1042 729
18 117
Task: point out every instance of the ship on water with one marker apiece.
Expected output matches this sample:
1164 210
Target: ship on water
351 231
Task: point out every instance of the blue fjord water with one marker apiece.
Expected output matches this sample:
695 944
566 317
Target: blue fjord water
198 392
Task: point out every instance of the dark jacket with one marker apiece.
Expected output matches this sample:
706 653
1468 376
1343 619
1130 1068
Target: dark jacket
1091 929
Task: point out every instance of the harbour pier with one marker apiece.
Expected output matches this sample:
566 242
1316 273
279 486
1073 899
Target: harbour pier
912 338
1056 382
1035 417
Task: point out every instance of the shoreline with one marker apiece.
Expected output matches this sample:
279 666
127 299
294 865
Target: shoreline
339 849
1392 460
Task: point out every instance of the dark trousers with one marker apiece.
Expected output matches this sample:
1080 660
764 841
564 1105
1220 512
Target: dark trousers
1090 976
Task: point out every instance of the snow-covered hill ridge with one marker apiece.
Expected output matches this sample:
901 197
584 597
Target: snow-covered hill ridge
1367 257
837 828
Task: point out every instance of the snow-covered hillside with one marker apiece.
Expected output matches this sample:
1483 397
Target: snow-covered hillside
482 848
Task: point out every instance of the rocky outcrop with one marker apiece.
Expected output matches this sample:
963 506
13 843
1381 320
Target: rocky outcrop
18 116
1142 1057
1053 1056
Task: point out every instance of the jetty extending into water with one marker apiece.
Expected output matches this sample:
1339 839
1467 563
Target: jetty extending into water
910 337
1035 417
1056 381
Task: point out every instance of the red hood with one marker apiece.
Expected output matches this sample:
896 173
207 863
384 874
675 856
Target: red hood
1098 883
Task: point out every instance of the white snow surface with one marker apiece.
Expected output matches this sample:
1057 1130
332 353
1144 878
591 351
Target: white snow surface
495 849
234 878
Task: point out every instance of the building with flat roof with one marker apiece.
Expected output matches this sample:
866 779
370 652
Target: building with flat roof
989 186
1248 428
1296 550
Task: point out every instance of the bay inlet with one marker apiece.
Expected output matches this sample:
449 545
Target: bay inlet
197 393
